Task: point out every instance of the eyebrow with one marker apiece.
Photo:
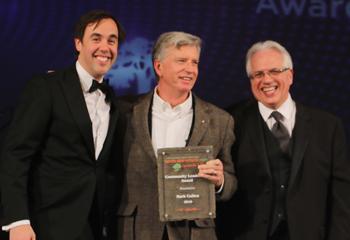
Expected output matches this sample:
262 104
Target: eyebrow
113 36
99 35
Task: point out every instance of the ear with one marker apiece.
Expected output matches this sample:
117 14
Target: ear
290 76
78 44
157 65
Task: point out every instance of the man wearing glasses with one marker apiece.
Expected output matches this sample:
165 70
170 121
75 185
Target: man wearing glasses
291 161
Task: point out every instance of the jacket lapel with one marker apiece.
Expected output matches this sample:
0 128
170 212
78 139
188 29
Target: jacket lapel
140 124
255 130
114 113
201 122
76 102
301 136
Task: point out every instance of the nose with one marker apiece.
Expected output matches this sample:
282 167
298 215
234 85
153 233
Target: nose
267 77
104 46
191 67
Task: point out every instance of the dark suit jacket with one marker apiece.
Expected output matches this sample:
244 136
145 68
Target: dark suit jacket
138 214
5 117
318 197
49 173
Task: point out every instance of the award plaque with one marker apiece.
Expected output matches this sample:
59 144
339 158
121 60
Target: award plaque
182 194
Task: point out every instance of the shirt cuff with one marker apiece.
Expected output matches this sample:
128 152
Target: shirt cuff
221 187
15 224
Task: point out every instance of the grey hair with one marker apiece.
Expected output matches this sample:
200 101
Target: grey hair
174 39
269 44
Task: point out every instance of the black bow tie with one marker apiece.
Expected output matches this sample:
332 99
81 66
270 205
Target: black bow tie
103 86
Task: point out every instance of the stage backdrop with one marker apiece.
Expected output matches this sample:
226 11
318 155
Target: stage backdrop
36 36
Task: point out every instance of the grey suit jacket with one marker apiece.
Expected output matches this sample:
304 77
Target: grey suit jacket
138 214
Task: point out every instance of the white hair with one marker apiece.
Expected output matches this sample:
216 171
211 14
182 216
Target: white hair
269 44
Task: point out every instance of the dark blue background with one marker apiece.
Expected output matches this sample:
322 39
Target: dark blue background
36 35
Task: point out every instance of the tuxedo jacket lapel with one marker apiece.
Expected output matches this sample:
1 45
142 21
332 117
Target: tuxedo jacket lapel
140 122
114 113
301 134
76 102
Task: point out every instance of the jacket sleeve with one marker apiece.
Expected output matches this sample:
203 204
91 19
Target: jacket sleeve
339 200
230 184
21 146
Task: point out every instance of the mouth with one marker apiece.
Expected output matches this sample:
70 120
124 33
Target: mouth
269 89
186 78
103 59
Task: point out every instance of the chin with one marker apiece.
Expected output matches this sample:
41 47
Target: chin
187 88
102 72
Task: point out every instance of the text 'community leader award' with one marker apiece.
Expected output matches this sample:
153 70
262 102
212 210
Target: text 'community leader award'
182 194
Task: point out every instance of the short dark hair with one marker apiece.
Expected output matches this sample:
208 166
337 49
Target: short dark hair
95 16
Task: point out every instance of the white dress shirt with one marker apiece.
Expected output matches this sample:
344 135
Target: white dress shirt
170 125
99 115
288 111
97 107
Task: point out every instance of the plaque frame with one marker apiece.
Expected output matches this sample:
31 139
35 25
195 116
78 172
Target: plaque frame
182 194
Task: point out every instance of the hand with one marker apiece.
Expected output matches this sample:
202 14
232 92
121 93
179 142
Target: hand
22 232
213 170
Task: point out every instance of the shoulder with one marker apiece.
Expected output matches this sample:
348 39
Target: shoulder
211 109
316 114
53 76
243 110
127 102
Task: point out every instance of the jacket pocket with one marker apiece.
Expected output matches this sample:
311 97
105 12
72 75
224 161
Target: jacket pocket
126 210
204 229
123 224
205 223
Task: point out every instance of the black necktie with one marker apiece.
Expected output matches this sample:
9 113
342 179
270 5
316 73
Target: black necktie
103 86
280 131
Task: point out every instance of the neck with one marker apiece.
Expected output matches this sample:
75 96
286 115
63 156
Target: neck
99 78
172 97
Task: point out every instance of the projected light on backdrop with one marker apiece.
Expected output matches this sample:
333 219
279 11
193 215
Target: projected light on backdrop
133 71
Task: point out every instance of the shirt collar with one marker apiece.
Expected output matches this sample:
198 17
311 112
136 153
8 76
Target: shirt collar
286 109
160 105
85 77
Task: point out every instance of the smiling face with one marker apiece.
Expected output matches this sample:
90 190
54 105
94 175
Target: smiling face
99 47
272 91
177 70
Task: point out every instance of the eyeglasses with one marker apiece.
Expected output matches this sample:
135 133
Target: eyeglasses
274 72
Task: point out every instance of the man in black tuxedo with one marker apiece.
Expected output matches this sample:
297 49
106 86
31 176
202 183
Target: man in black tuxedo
291 161
53 165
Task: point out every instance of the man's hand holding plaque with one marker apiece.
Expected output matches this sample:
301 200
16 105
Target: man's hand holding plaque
213 170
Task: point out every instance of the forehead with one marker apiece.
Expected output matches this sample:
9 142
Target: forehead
105 26
187 51
266 59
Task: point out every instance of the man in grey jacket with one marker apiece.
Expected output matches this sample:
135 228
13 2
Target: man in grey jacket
172 116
